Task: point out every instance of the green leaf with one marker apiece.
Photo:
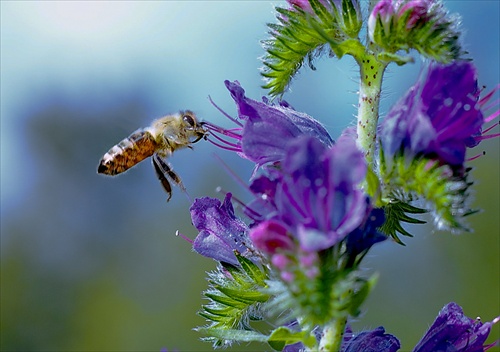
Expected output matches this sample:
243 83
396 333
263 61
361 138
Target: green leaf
235 297
283 336
296 40
359 297
233 334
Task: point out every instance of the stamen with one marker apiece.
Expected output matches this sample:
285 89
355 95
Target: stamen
220 139
223 146
492 104
225 113
489 136
492 116
230 133
177 233
488 96
476 156
232 173
491 127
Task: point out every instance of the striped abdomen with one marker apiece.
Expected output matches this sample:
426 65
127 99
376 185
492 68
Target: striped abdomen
130 151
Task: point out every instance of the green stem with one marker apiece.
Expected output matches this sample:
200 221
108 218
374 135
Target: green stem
371 72
333 335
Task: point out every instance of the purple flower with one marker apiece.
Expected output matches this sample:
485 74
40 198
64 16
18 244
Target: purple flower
318 196
221 232
266 129
437 117
372 341
453 331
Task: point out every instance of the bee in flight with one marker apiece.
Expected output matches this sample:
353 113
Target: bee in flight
160 140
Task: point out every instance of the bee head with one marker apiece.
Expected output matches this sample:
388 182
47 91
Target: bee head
192 126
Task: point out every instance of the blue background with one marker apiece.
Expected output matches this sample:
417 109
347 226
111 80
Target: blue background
91 263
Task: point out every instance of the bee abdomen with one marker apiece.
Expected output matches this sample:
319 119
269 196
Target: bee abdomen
130 151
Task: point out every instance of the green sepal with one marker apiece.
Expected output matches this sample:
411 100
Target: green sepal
221 311
226 301
396 212
350 18
253 271
444 190
359 297
372 187
214 317
334 293
247 297
235 297
283 336
400 60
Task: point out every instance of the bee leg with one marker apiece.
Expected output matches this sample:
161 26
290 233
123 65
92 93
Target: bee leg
161 175
167 172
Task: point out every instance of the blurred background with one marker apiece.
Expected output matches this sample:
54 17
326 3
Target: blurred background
92 263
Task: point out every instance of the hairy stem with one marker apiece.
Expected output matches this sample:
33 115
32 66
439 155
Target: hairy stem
333 334
371 72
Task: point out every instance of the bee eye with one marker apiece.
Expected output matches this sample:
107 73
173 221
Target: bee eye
189 120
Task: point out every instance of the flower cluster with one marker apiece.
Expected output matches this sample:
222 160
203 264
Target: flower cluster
317 205
310 221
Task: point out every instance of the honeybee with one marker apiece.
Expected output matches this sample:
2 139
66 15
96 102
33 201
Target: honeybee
160 140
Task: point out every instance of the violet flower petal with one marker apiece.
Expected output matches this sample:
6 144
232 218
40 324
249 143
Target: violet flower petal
453 331
268 128
221 232
372 341
438 116
318 196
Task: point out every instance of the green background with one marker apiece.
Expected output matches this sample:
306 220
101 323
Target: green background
90 263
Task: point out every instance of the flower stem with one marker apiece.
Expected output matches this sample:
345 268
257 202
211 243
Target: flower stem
333 334
371 72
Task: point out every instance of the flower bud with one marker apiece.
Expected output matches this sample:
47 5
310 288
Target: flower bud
270 236
423 25
414 12
381 22
306 5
